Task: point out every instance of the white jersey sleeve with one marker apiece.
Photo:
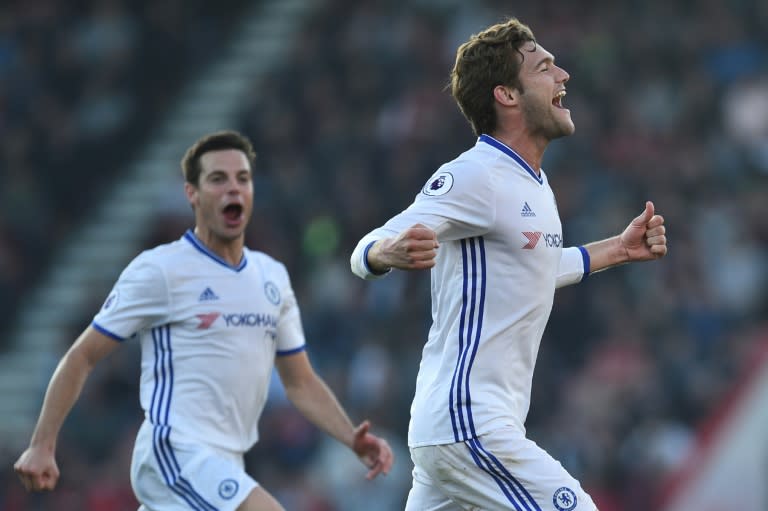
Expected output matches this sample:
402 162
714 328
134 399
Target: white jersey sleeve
138 300
469 210
290 333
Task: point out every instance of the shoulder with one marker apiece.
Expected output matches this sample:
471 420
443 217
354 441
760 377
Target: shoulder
471 172
270 266
160 262
164 255
262 258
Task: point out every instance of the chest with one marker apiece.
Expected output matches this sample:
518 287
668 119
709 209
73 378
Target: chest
227 303
527 221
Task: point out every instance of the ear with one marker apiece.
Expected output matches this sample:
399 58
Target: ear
507 96
191 192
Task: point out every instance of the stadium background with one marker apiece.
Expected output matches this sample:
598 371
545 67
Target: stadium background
670 99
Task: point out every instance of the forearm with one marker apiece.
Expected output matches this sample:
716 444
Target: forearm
317 403
606 253
63 390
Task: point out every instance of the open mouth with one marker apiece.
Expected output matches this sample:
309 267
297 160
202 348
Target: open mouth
558 100
233 212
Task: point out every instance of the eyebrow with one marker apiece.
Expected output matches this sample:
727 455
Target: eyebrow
222 171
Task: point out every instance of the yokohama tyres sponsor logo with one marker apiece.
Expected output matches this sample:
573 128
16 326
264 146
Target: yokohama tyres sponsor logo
206 320
551 240
240 319
533 239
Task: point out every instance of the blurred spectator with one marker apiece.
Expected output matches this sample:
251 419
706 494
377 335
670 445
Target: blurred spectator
80 82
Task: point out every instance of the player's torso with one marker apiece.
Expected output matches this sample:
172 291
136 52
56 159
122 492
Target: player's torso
492 295
205 371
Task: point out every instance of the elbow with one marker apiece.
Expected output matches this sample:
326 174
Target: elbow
79 360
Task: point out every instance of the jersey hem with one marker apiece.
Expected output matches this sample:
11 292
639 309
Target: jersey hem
489 428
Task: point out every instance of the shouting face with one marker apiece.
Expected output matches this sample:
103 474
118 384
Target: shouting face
543 84
223 197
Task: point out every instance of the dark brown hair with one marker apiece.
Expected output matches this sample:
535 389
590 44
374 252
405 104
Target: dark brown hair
218 141
486 60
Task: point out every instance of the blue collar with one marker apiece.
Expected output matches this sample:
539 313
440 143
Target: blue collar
512 154
190 236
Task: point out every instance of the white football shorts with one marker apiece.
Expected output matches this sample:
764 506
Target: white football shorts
498 470
184 476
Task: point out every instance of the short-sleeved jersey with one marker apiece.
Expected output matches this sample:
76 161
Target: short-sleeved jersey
500 260
209 334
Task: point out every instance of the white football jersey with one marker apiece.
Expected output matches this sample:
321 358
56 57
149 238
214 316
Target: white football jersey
209 333
500 259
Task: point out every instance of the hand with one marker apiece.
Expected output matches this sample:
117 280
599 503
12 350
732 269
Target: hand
373 451
36 467
413 249
644 238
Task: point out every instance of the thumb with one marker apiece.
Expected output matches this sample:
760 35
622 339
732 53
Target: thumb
422 226
646 215
362 429
428 235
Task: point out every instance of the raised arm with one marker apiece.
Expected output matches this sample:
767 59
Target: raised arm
312 397
36 467
644 239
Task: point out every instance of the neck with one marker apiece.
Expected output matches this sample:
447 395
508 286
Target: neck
230 250
529 148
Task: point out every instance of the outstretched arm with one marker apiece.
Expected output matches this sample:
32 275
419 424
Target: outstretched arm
644 239
317 403
414 248
36 466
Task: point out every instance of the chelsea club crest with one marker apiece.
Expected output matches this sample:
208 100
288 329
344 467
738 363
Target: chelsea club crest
273 294
228 488
564 499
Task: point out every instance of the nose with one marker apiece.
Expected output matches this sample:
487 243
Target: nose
563 74
234 187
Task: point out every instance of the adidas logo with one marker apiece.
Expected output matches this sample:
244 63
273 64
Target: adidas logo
207 295
527 211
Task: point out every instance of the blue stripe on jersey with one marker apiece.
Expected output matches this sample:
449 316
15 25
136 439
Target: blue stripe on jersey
462 315
512 154
480 313
190 236
159 410
493 467
465 406
470 304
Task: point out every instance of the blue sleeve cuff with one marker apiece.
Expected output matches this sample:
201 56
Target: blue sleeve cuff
365 260
291 352
106 332
587 262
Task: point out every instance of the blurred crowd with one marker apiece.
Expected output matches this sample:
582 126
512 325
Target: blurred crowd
670 101
80 83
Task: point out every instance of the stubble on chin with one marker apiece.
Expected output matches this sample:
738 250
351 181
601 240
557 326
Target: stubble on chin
543 121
